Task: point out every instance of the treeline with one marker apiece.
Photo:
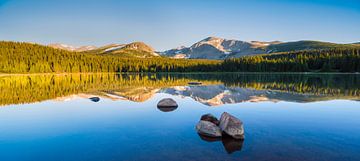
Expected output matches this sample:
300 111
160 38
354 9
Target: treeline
329 60
32 58
340 85
140 87
35 88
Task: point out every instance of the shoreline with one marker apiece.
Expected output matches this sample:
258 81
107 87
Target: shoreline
59 74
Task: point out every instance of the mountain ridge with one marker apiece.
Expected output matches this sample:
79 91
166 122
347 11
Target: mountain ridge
220 48
208 48
134 49
72 48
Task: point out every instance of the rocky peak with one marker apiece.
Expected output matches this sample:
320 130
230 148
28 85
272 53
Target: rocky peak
213 41
139 46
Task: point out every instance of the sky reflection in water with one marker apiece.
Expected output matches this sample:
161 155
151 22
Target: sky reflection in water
79 129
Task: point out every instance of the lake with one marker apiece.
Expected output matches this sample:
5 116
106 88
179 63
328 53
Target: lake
310 117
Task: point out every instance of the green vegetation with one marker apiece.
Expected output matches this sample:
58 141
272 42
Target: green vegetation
306 45
330 60
34 88
338 85
140 87
132 50
32 58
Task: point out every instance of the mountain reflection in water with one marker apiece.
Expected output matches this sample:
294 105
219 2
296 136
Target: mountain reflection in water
114 116
215 90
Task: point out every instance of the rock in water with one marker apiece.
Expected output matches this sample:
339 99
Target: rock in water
210 118
208 129
167 102
194 83
95 99
232 126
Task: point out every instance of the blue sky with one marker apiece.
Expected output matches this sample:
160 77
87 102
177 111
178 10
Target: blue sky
166 24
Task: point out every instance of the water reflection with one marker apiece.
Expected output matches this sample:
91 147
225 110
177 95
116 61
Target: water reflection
230 144
215 89
167 109
75 127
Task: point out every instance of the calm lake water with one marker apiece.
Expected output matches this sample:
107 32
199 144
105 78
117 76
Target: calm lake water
286 117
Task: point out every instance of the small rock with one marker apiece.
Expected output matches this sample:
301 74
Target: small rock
95 99
210 118
194 83
232 126
208 129
167 102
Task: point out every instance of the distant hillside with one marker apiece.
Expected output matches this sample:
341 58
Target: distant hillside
305 45
315 60
208 48
219 48
72 48
136 50
16 57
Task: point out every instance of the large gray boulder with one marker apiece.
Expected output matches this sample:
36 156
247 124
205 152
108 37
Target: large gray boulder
232 126
210 118
208 129
167 102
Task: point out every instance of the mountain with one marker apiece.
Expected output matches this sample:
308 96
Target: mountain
72 48
219 48
216 95
209 95
136 49
208 48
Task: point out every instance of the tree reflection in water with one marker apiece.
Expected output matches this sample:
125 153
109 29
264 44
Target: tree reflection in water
216 89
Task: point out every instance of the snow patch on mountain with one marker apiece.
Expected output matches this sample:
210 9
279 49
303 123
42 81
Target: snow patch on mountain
218 48
114 48
72 48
